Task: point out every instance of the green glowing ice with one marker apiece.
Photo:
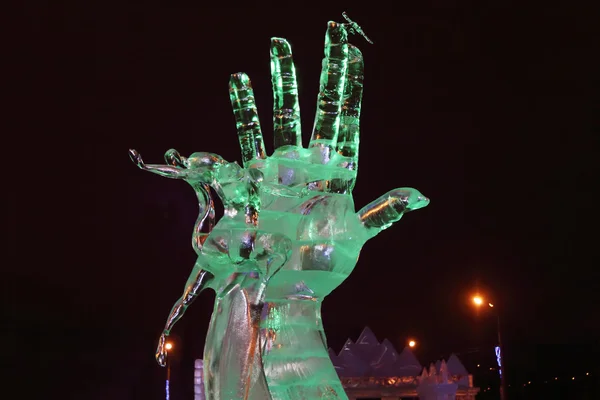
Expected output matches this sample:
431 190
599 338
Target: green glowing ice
289 235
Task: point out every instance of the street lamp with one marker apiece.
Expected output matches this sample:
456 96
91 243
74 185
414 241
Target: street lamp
479 301
168 346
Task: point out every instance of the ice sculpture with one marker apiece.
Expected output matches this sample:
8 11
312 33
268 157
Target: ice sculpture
289 234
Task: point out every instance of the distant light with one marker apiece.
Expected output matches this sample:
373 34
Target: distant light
498 358
478 300
529 382
169 346
556 378
587 374
490 304
478 365
573 378
412 343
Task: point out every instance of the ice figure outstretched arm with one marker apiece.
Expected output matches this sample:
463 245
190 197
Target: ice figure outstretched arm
199 280
169 171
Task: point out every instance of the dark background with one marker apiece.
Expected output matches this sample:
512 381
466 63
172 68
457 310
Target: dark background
486 109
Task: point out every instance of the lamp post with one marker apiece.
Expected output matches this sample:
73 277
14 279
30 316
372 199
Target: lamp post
479 302
168 347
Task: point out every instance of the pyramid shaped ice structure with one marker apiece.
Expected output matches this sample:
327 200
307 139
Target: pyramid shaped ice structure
368 357
407 364
456 367
348 363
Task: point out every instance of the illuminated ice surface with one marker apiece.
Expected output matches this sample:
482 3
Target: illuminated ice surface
289 234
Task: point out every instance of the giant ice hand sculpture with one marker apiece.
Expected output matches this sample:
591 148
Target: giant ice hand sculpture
289 234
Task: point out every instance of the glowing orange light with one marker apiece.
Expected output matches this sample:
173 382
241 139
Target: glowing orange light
478 300
169 346
412 343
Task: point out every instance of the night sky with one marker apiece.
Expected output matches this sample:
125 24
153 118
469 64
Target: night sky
488 111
